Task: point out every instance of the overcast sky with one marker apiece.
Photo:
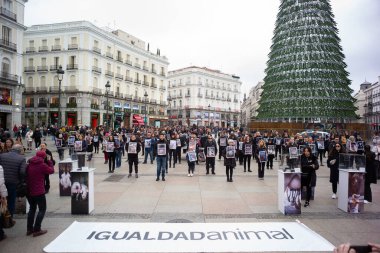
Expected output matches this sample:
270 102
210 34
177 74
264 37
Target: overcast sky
233 36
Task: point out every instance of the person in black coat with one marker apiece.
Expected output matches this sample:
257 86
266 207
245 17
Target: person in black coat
37 137
229 159
210 146
370 176
309 164
133 148
333 164
247 149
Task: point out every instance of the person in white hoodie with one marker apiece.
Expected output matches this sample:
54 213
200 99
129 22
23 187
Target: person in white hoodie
3 200
29 139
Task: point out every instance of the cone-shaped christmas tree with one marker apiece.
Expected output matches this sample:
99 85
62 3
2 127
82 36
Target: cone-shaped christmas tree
305 75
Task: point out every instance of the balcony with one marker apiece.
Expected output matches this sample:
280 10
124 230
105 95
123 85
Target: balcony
71 105
71 89
119 59
9 78
54 89
95 106
129 79
228 99
154 85
42 68
137 81
154 71
42 104
162 103
96 70
108 107
187 95
54 105
29 69
207 96
30 105
163 74
145 68
30 50
235 100
135 99
96 50
8 45
179 96
108 73
8 14
43 49
162 87
235 90
119 76
97 91
153 101
54 67
71 66
128 97
145 83
200 95
56 48
128 62
72 47
137 66
109 55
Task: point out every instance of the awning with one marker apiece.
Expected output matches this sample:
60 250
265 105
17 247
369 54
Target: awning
138 120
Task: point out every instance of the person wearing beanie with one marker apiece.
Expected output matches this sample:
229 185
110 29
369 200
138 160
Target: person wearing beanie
36 170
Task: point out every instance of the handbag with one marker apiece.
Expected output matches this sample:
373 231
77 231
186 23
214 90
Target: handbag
6 217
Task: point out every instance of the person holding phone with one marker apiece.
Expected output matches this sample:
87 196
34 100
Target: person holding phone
347 248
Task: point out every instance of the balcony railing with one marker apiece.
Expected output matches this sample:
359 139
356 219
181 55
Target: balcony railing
96 50
235 100
119 59
8 77
128 62
179 96
108 73
8 45
7 13
154 71
54 105
72 47
162 87
95 106
54 89
119 76
42 68
71 105
145 83
137 65
97 91
128 97
72 66
109 55
145 68
129 79
56 48
54 67
153 101
29 69
154 85
43 49
42 104
163 74
30 50
137 81
96 69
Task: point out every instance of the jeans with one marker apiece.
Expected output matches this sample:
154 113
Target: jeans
161 166
111 161
229 172
34 201
148 151
11 199
261 169
118 158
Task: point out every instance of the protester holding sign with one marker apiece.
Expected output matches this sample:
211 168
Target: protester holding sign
110 150
271 155
247 149
172 150
191 156
133 148
229 159
211 151
148 148
222 142
162 149
261 158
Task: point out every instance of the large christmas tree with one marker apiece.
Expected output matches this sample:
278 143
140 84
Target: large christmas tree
305 74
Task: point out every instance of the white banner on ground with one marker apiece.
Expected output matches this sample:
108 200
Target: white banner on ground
188 237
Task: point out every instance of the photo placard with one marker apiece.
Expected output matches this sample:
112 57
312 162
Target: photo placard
263 156
248 149
173 144
301 148
148 143
192 145
278 141
132 148
58 143
230 152
71 141
96 138
210 151
78 146
313 148
110 147
321 145
271 150
161 149
293 152
241 145
223 142
360 145
178 143
192 156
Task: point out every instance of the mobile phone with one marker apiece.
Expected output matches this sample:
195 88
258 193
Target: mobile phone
361 248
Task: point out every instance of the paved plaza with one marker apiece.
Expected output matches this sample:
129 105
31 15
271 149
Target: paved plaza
201 198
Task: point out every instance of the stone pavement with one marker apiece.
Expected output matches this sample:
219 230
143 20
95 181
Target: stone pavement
202 198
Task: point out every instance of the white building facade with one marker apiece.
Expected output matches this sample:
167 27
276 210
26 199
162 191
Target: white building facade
372 106
360 101
203 97
92 57
251 104
11 48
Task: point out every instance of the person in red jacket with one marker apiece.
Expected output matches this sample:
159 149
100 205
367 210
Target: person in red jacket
36 171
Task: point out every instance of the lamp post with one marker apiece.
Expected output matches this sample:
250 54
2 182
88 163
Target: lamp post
108 87
60 73
209 114
229 116
146 98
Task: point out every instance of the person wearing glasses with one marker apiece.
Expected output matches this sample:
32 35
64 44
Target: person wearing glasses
309 164
333 164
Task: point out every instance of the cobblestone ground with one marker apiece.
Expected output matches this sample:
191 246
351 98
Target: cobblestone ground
201 198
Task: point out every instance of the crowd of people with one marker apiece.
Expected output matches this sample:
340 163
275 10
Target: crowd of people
167 146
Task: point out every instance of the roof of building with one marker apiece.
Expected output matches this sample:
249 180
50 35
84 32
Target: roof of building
204 68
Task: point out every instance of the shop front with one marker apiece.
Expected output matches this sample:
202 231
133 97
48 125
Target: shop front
95 119
53 118
127 114
72 118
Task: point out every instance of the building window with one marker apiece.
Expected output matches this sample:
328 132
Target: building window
30 81
72 80
57 41
31 43
56 61
44 43
6 34
43 81
95 82
72 100
30 62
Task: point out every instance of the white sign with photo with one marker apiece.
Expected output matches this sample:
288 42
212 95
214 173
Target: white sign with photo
71 141
192 156
194 237
161 149
321 145
110 147
360 145
210 151
78 146
230 152
58 143
293 152
271 150
132 148
263 156
192 145
241 145
223 141
172 144
178 143
248 149
148 143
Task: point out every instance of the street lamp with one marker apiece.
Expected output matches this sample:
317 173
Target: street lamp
229 116
60 73
108 87
146 98
209 112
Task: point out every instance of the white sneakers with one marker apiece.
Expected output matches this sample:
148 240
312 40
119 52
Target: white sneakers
366 202
333 196
190 175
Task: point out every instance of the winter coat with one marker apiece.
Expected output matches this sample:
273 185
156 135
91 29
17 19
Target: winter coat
36 171
334 168
14 166
3 188
231 162
371 168
131 156
211 144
